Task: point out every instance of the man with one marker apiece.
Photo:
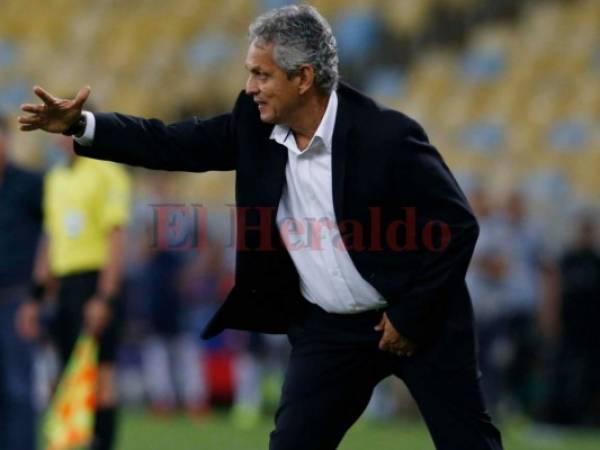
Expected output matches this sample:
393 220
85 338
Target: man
487 283
86 206
358 303
20 227
524 255
572 317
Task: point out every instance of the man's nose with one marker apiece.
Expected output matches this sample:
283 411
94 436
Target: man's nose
251 86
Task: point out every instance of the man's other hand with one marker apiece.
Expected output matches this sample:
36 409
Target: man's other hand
54 115
392 341
27 320
97 315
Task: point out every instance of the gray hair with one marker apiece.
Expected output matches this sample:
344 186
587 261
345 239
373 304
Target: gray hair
300 35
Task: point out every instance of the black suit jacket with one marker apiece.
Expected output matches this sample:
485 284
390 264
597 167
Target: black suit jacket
383 170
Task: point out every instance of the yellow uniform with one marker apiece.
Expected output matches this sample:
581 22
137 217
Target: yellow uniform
82 203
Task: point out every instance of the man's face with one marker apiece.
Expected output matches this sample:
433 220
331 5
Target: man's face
276 95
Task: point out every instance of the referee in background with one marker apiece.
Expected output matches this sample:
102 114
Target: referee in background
86 207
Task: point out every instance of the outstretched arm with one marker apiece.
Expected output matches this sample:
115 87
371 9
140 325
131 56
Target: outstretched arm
194 145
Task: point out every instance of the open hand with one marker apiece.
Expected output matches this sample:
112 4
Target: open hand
97 315
54 115
392 341
27 320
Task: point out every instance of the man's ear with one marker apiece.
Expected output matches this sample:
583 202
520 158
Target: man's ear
306 77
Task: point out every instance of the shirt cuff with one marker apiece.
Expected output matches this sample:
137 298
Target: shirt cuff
87 138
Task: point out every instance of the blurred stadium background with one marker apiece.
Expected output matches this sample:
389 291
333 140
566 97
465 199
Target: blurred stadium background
509 92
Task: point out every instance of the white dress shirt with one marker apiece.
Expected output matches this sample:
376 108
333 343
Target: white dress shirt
307 224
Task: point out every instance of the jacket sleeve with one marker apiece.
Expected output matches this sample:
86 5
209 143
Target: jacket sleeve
194 145
440 268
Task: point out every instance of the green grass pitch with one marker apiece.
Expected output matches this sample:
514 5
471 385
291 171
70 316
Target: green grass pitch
142 431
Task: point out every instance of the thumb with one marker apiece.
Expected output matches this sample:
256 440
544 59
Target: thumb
82 96
380 326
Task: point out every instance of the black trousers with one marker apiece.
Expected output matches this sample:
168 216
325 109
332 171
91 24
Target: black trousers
73 293
335 364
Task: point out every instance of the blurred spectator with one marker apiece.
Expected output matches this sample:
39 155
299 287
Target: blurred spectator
204 283
20 226
486 279
160 319
171 357
259 364
505 282
525 256
574 396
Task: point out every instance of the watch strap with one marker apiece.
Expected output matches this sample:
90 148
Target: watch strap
77 128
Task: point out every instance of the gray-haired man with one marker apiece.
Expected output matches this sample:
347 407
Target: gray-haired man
353 236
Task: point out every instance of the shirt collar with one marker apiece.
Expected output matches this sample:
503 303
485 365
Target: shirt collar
281 133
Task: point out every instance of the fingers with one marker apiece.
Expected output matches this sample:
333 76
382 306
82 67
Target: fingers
29 127
46 97
29 120
33 122
34 109
388 346
82 96
393 343
387 341
394 348
30 123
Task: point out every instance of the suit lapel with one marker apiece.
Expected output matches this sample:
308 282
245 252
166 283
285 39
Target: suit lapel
343 125
276 159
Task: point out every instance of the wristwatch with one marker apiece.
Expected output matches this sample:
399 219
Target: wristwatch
77 128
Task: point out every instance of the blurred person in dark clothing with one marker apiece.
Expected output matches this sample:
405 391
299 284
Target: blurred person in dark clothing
170 350
20 227
205 282
171 358
258 364
574 397
524 252
486 279
506 280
